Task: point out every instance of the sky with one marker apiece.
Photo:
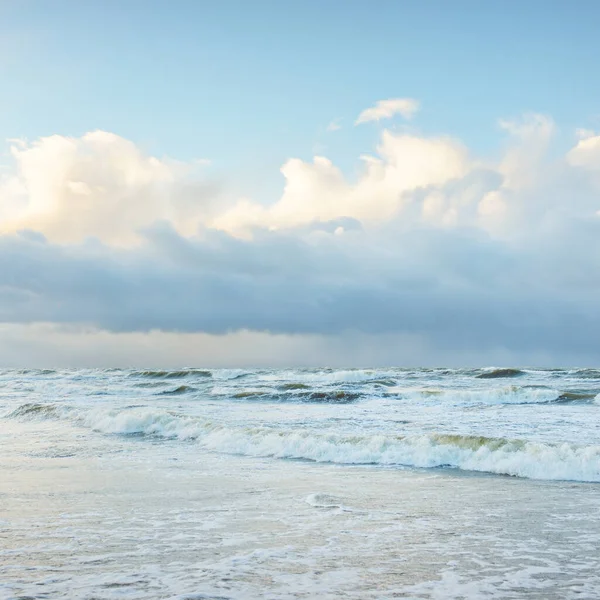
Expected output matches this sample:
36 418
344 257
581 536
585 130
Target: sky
329 182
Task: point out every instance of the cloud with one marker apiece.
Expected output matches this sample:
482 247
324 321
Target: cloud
429 247
48 345
451 288
98 185
531 136
586 153
385 109
319 192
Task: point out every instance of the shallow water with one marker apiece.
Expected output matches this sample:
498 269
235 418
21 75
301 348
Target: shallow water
300 484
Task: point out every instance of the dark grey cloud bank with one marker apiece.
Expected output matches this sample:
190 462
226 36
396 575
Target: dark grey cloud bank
471 263
456 287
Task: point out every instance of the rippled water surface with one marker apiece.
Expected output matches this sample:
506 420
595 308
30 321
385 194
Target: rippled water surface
385 483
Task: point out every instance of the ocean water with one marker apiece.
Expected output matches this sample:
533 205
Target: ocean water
320 483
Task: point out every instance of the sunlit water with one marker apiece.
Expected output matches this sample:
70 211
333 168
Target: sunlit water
240 484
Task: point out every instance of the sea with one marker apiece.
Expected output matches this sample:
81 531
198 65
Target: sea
297 484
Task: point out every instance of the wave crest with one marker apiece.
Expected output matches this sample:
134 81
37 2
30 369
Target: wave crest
515 457
510 394
172 374
180 389
299 394
33 410
500 373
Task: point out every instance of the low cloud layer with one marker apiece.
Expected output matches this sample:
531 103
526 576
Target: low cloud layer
429 246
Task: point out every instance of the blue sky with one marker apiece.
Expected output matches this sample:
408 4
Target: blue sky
462 230
249 84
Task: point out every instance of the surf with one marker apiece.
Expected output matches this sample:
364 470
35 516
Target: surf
496 455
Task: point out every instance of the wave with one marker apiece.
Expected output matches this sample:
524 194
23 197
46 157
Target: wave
299 394
585 373
294 386
500 373
503 456
141 421
172 374
334 376
383 382
572 397
260 394
35 410
339 397
36 372
511 394
233 374
181 389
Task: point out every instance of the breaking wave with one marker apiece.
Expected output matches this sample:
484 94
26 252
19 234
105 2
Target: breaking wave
515 457
172 374
511 394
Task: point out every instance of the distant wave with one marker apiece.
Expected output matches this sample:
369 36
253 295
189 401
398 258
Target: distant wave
383 382
568 397
36 410
37 371
511 394
520 458
334 397
500 373
335 376
181 389
172 374
260 394
294 386
585 373
299 394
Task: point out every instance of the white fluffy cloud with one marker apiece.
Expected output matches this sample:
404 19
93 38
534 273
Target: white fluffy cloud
586 153
319 192
429 246
385 109
98 185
